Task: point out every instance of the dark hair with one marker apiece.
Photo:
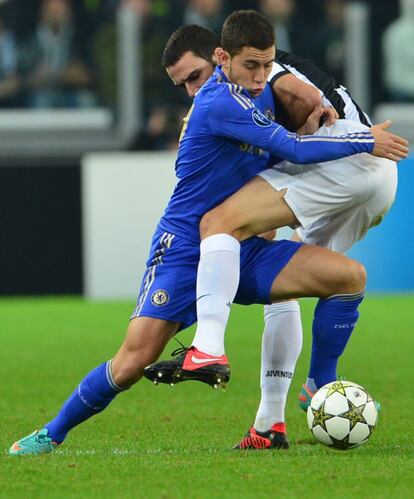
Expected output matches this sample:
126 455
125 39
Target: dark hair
192 38
246 28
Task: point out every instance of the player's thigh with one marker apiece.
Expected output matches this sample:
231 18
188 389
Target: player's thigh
255 208
319 272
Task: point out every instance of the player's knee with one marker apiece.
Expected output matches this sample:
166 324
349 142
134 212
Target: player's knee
130 368
207 224
356 277
214 222
127 376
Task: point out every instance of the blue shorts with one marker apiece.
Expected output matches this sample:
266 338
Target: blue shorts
168 288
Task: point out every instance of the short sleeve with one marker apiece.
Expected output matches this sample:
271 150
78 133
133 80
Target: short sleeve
278 70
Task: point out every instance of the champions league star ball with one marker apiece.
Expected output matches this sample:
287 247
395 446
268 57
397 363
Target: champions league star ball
342 415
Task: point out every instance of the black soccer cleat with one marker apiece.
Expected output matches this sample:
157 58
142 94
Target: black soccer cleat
190 364
275 438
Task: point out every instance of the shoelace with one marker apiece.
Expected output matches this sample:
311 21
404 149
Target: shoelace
181 349
40 437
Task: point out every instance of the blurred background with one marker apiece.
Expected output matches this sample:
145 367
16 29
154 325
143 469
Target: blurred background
89 124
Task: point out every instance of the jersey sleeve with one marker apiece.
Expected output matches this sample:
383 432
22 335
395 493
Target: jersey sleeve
278 70
232 115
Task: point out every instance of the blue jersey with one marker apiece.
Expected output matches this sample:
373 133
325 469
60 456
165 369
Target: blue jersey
227 139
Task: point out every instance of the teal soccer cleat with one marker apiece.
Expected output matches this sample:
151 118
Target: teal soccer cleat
305 397
36 443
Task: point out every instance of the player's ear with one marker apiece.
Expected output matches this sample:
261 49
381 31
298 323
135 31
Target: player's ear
225 59
217 55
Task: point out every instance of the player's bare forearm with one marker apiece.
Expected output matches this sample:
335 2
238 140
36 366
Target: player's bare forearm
296 100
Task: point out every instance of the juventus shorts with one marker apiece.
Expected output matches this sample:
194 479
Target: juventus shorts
336 202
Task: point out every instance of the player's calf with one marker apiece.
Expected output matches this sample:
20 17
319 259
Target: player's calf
145 340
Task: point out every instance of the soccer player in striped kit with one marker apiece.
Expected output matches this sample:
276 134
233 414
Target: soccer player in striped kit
189 64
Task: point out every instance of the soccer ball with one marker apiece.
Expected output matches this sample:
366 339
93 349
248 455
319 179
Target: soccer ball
342 415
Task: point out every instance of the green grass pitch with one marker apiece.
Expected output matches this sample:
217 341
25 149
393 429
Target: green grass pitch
162 442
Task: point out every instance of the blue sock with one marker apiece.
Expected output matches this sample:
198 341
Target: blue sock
333 323
94 393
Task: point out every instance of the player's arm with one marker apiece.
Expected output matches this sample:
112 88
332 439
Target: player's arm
233 115
295 99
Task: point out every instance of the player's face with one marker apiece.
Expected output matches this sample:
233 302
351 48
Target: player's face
250 68
190 72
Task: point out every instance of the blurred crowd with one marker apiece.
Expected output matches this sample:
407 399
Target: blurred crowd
62 53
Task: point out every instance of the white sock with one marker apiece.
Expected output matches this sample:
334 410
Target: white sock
281 346
217 282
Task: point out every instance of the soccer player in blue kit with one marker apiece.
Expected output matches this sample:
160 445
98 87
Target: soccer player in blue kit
222 146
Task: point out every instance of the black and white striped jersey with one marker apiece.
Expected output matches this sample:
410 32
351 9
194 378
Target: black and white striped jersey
332 93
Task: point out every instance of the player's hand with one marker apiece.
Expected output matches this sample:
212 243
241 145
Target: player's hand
388 145
320 115
329 116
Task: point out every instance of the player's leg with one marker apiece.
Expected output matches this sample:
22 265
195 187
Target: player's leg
283 334
281 345
306 261
342 231
254 209
145 340
338 232
340 284
292 323
166 301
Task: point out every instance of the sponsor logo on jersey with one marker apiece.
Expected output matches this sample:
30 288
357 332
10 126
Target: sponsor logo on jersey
272 373
260 119
160 298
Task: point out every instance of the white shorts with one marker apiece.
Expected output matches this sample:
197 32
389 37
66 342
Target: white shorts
336 202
